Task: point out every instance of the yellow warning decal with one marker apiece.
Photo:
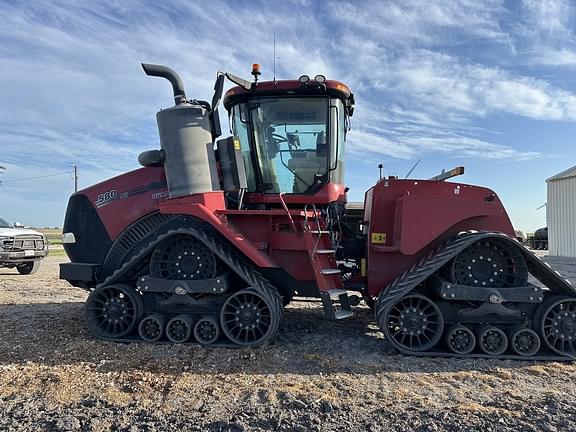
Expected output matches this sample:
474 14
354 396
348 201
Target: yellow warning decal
379 238
236 144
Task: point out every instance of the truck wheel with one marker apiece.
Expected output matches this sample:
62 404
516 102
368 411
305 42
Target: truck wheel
28 268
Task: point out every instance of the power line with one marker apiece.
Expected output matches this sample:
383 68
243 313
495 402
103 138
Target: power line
36 177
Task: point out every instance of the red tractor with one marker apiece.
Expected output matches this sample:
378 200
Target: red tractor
208 241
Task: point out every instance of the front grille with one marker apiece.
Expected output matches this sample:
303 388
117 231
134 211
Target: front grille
24 242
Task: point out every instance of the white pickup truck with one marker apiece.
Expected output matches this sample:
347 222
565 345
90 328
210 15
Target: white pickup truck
21 247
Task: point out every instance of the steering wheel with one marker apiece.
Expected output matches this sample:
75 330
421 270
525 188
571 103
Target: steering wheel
279 138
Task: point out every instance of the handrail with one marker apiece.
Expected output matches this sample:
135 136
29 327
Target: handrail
287 212
317 217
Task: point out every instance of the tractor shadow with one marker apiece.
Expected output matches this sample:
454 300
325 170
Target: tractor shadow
54 334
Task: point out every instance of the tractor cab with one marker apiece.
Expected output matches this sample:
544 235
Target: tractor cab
291 134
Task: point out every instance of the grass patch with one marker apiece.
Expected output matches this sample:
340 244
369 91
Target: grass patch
53 235
57 252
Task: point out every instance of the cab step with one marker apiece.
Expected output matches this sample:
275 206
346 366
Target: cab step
330 271
335 293
342 314
325 251
336 304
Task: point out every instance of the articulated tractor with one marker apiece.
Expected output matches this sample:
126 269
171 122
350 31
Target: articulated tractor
211 238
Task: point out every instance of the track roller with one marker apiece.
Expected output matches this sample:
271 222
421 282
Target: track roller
557 316
113 311
492 340
524 341
151 328
460 339
207 330
179 328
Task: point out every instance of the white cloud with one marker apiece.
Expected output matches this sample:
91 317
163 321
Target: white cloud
424 73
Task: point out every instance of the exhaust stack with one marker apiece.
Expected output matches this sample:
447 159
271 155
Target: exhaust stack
186 140
170 75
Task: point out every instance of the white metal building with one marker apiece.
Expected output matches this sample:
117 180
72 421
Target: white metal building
561 213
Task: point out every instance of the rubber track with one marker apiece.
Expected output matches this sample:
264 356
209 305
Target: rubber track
427 266
224 251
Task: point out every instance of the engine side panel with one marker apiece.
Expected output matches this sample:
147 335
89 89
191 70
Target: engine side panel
408 218
97 215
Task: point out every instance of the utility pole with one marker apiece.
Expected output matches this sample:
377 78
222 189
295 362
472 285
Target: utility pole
76 178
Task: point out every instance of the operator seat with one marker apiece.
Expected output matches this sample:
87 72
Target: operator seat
308 163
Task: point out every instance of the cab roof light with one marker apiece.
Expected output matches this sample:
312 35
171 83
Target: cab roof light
304 79
256 71
320 78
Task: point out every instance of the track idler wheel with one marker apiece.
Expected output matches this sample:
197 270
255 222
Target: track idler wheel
248 318
460 339
524 341
557 325
151 328
113 311
207 330
179 328
492 340
413 323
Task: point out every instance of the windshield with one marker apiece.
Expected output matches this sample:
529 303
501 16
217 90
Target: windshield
4 224
290 136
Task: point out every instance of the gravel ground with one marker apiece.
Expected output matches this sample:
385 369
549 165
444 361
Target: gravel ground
317 376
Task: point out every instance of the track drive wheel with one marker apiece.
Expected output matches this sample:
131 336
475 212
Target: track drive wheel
412 323
489 263
151 328
460 339
492 340
557 324
248 318
207 330
183 257
113 311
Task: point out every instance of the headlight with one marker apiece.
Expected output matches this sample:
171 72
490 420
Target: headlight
2 239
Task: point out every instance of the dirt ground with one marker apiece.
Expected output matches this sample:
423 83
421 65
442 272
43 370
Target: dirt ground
317 376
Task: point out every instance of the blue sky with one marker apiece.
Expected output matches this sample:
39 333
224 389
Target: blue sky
489 85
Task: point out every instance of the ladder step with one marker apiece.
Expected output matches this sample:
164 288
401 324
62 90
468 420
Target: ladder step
319 232
326 251
330 271
342 314
335 293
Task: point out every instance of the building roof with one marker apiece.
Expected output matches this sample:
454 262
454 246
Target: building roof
570 172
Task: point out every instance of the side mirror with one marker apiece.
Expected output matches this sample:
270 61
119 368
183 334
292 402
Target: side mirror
18 225
218 90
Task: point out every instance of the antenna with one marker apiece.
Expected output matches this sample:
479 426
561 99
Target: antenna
274 56
412 169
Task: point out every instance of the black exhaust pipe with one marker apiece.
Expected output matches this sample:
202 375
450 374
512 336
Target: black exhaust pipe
170 75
